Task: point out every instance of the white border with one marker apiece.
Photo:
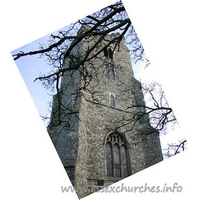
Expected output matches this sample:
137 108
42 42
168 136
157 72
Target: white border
168 30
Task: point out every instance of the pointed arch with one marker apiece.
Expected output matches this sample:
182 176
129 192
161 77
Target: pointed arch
110 71
112 100
117 159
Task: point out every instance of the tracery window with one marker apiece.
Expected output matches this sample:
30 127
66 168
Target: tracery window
116 155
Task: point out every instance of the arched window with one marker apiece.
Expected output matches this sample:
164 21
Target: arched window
110 71
108 53
112 100
116 155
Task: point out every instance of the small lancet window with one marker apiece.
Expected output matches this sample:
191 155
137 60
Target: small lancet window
112 100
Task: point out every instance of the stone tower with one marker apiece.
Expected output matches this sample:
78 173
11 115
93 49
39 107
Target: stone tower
92 125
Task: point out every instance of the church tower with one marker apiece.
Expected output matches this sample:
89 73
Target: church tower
93 125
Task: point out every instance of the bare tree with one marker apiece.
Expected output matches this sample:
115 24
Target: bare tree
175 148
106 21
109 20
157 107
60 47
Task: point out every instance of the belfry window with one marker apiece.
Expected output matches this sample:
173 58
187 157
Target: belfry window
116 156
108 53
110 71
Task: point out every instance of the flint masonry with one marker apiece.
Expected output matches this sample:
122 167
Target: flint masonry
92 122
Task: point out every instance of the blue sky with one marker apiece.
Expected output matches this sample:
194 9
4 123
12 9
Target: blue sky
31 67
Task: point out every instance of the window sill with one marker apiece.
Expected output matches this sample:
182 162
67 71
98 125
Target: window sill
109 178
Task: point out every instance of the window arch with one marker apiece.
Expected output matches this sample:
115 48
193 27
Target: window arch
110 71
108 53
116 155
112 100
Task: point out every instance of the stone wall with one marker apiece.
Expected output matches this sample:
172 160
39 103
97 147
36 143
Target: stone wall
81 146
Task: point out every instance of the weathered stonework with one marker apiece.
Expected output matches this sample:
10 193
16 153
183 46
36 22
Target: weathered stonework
80 139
